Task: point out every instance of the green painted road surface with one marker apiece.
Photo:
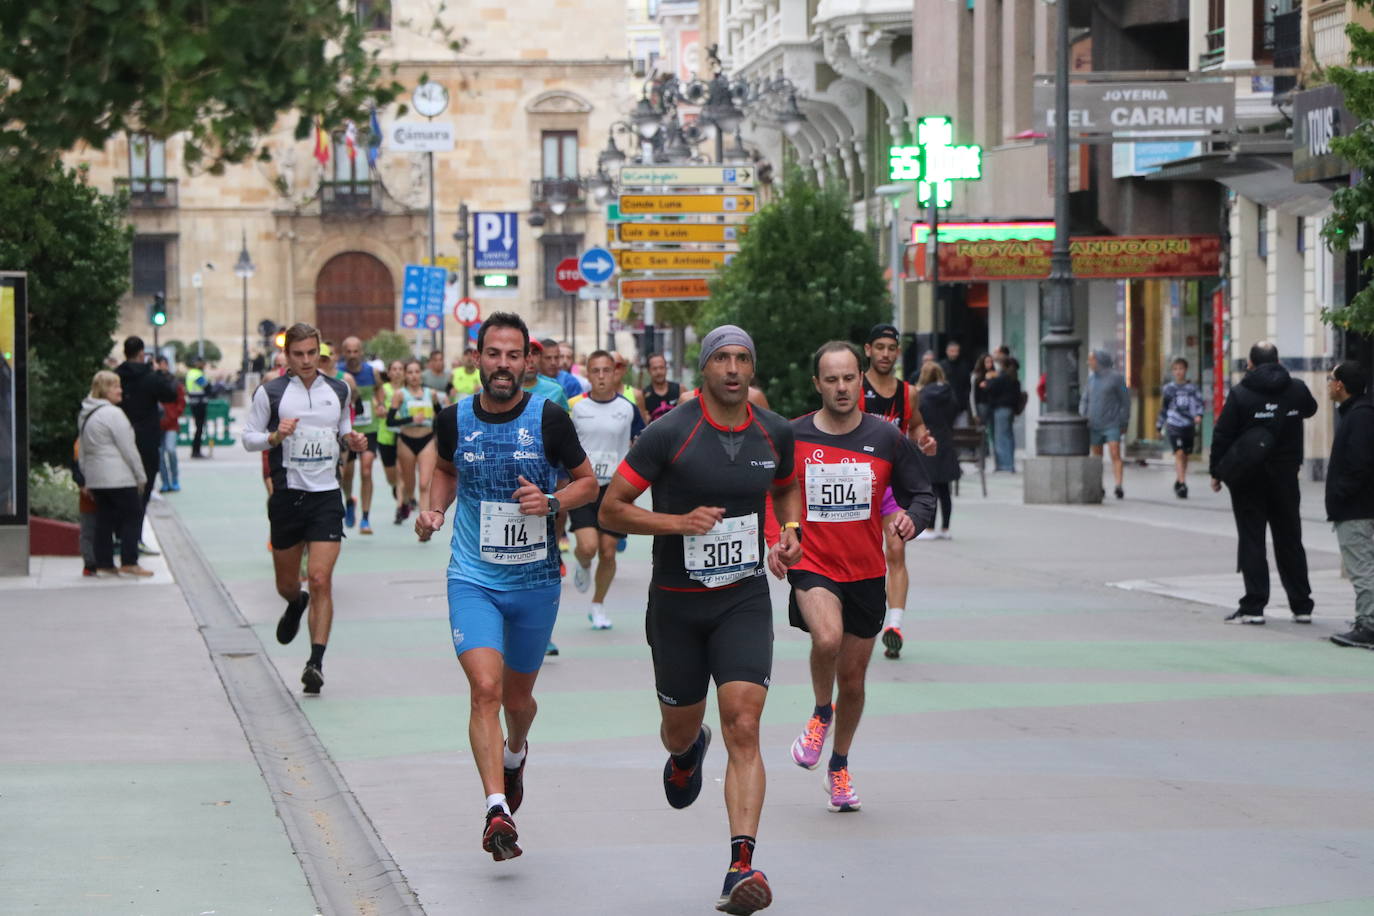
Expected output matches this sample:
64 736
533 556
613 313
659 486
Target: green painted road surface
1046 744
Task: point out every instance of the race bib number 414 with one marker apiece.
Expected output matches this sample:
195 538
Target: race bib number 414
727 553
312 447
839 492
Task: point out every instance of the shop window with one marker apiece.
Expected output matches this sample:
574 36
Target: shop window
1262 231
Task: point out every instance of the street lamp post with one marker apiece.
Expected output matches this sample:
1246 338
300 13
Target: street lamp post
894 192
1063 472
244 270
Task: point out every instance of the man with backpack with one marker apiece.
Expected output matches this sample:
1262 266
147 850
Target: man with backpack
1256 452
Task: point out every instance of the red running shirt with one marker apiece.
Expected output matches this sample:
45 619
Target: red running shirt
842 481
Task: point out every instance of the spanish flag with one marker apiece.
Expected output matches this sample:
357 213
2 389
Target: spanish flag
321 144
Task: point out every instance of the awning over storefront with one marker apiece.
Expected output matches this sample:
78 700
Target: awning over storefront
1264 179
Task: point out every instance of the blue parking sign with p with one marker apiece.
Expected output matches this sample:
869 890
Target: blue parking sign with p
495 241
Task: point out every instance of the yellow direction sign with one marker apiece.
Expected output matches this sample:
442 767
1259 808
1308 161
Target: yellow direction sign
672 260
687 203
680 232
676 288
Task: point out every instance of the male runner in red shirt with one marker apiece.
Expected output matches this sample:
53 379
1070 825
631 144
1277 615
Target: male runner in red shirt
846 460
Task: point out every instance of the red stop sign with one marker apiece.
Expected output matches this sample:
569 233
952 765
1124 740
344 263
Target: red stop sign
567 275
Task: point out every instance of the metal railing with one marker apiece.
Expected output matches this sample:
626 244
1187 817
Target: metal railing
1330 46
345 198
149 193
547 190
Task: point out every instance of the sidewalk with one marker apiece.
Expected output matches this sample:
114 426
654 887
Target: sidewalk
125 782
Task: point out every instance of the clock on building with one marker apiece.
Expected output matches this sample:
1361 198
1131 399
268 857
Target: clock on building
430 99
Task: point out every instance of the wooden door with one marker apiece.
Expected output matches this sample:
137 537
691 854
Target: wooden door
354 296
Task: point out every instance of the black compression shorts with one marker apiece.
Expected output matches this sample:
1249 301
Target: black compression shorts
863 604
725 635
586 516
387 452
371 447
300 515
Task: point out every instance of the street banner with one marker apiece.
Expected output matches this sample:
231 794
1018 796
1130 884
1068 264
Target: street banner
1094 258
677 233
676 288
673 260
687 203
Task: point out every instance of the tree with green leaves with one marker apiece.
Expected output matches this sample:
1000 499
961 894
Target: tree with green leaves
81 71
74 243
803 276
1354 206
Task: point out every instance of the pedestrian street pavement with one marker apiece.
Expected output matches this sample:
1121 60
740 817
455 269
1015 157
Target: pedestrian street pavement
1059 735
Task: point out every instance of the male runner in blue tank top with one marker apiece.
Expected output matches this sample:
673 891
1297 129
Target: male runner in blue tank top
711 462
503 580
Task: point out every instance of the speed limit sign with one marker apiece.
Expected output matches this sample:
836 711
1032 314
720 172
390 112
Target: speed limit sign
467 311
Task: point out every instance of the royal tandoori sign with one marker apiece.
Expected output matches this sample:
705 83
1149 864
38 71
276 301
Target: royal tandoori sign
1094 258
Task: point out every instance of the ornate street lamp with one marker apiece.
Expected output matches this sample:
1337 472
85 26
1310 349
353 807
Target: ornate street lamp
244 270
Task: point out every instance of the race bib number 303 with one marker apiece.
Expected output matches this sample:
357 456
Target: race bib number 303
839 492
725 554
312 447
508 538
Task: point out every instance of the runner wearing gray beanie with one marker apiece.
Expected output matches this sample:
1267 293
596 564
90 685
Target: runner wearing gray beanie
727 335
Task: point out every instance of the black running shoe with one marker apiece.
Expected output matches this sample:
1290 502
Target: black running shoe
1357 638
892 642
1246 617
1182 491
746 891
1120 493
313 679
683 786
290 623
515 782
499 837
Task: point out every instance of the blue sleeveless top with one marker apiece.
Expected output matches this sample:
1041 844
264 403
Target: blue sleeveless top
489 459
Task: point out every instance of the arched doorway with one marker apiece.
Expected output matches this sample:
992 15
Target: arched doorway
354 295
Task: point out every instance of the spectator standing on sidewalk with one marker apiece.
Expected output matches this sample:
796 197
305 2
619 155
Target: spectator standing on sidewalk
1180 417
114 474
1256 452
941 407
1107 405
198 399
144 390
1005 402
958 377
170 424
1350 493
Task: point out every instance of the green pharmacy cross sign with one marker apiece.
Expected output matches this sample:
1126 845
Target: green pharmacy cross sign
935 162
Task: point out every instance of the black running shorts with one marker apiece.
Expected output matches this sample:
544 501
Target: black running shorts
300 515
371 447
387 452
586 516
1180 438
863 604
725 635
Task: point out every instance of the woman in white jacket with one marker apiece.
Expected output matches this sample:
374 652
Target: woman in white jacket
114 475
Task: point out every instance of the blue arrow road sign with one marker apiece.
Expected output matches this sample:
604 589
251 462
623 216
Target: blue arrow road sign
496 241
596 265
422 299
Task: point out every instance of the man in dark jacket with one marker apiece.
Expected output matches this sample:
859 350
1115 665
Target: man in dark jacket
959 377
144 389
1350 493
1265 491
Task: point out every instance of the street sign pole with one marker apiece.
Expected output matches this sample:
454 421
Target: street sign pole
432 254
198 281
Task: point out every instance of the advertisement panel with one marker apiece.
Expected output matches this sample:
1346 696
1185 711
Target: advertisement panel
1094 258
14 425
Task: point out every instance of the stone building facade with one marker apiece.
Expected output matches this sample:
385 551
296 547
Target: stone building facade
531 97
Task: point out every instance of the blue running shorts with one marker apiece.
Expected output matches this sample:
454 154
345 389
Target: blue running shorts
517 624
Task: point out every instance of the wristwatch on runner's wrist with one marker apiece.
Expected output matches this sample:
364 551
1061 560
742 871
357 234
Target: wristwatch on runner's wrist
795 528
553 505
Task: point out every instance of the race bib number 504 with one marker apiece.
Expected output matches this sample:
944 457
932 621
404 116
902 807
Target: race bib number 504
727 553
839 492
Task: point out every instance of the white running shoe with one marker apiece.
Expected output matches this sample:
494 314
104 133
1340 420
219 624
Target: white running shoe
599 620
927 535
945 535
582 577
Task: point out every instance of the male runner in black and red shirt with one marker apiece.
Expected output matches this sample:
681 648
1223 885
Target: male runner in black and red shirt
846 460
710 462
894 400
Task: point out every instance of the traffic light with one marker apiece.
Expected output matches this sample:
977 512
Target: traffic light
157 311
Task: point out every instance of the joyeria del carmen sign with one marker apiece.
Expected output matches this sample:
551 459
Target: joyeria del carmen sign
1094 258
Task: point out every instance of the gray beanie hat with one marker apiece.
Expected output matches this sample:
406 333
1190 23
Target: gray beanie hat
727 335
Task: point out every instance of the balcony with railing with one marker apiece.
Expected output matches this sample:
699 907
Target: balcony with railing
551 192
149 193
350 198
1330 46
